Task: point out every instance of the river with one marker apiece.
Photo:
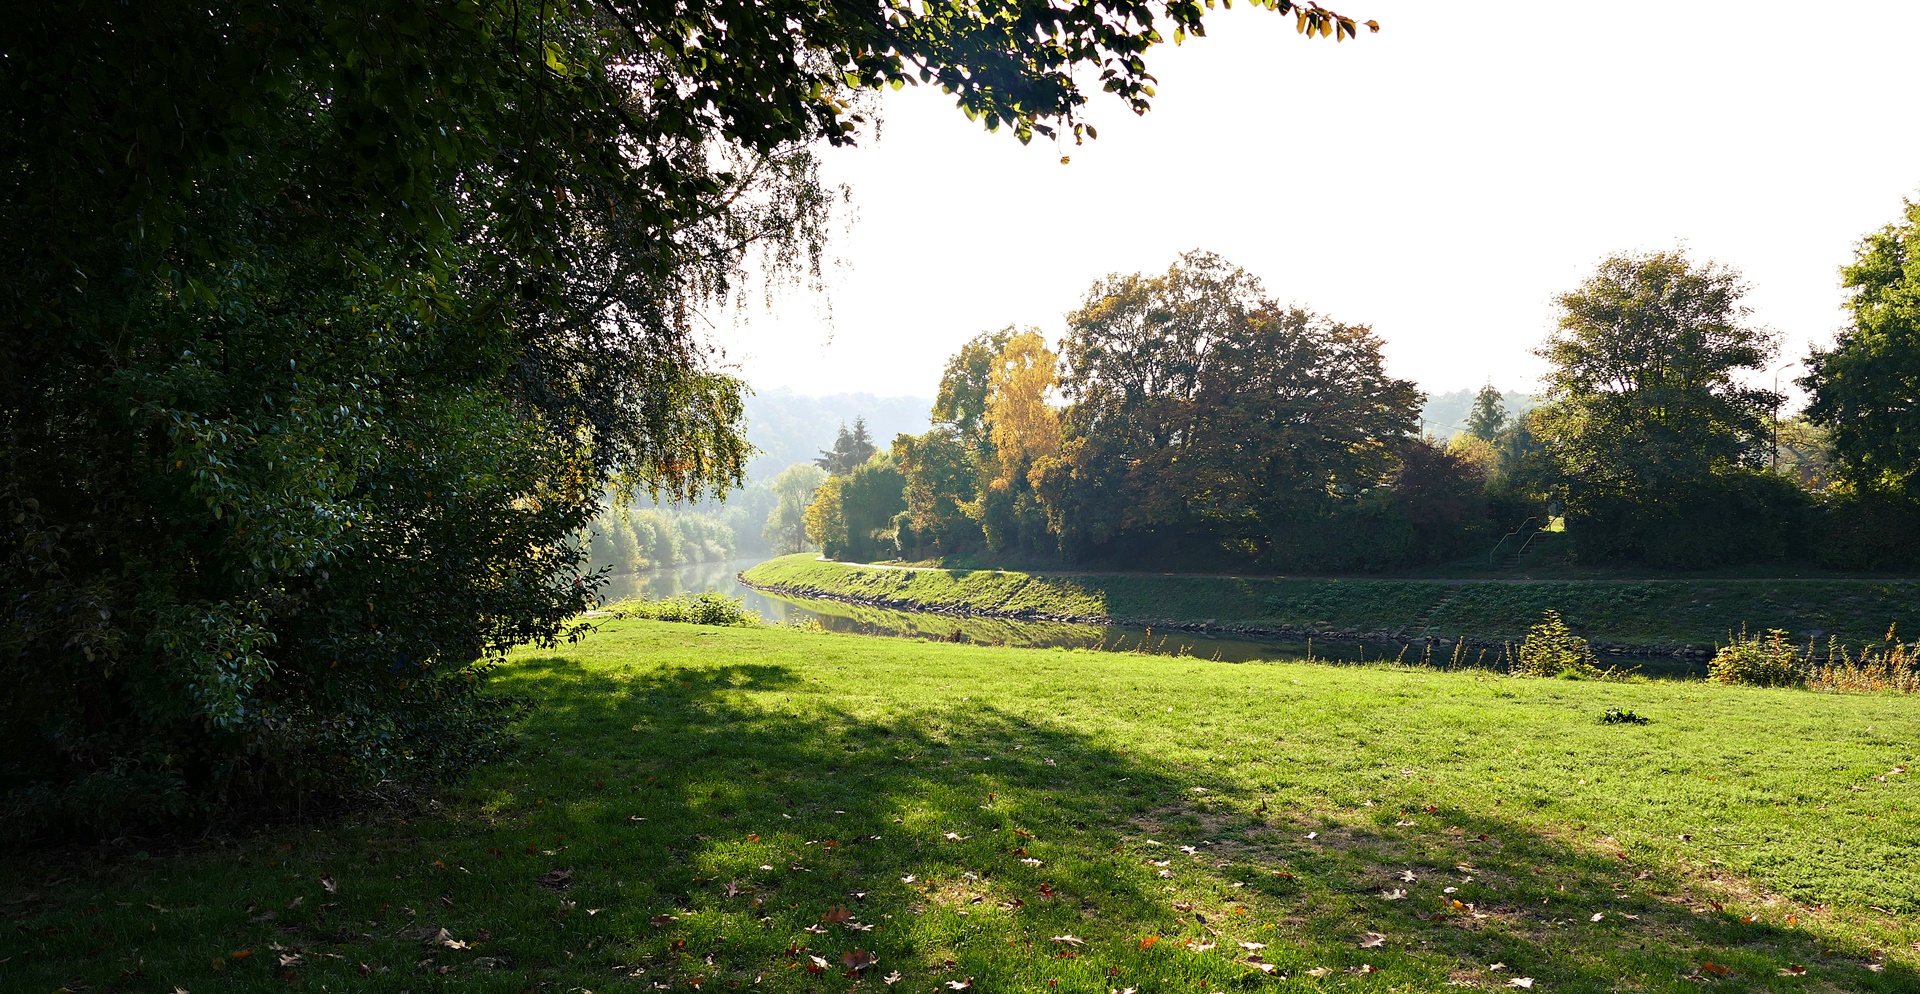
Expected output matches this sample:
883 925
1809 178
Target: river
723 578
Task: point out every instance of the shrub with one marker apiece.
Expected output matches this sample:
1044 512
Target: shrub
706 608
1767 660
1892 665
1551 649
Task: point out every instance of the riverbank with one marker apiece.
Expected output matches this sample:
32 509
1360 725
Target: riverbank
1680 616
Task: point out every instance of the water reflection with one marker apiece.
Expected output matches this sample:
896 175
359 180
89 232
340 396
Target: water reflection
695 578
859 618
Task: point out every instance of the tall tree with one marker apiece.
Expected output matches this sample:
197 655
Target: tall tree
851 449
965 385
1208 405
1643 382
794 490
1488 416
327 322
1866 389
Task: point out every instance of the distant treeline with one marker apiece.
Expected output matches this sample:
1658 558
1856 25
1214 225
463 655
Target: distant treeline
1189 420
625 540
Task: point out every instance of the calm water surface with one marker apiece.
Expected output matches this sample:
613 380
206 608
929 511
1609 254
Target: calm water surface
723 578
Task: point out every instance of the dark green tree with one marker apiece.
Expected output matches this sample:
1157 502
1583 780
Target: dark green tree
328 322
1647 426
1205 405
1488 416
851 449
1643 380
1866 389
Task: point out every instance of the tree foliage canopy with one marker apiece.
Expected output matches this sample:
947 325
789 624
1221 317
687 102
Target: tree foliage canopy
1643 384
1866 389
328 321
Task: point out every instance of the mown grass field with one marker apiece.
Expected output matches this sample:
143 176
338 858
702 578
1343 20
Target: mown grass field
1697 612
735 809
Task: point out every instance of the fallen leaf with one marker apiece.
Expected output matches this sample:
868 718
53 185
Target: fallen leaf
1716 969
1374 940
1030 861
326 882
1403 824
1522 982
1406 876
1597 916
1318 971
1149 941
891 978
1793 970
816 964
909 878
662 921
1182 906
1394 895
957 837
1253 945
959 985
1069 940
556 879
837 916
858 961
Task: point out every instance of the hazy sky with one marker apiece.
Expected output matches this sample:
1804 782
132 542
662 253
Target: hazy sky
1440 181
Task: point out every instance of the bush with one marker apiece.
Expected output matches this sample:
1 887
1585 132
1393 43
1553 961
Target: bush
1890 666
1551 649
1867 531
706 608
1767 660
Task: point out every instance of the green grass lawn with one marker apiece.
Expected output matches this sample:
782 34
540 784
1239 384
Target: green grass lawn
1673 612
714 808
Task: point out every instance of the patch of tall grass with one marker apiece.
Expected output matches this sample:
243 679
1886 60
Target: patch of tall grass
707 608
1770 659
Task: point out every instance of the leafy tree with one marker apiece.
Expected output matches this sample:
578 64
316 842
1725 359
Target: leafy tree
1643 385
852 516
942 488
1488 417
850 449
1199 403
1647 425
794 489
1864 388
965 386
328 322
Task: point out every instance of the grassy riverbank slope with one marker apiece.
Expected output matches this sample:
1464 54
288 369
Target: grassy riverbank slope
720 809
1627 612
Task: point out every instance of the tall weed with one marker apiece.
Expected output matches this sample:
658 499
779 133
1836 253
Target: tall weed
1552 650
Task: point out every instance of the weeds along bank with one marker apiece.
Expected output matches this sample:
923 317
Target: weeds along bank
1655 613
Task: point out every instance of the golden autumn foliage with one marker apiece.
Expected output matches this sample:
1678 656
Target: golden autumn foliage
1025 429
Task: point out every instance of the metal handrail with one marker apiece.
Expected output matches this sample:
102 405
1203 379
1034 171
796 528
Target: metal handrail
1494 556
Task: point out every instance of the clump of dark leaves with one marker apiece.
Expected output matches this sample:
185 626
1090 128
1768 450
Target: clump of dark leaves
1616 716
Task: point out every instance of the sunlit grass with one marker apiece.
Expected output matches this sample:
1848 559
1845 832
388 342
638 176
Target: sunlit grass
728 803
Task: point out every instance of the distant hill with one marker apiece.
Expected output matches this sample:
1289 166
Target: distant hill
788 427
1446 413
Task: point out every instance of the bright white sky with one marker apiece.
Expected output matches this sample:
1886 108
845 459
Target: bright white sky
1440 181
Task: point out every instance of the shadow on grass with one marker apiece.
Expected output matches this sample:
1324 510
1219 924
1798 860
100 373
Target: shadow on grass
970 839
742 826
